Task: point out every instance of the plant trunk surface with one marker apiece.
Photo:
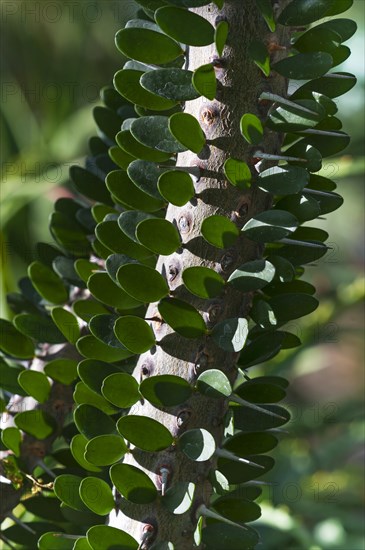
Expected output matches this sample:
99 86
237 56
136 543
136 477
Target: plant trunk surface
240 83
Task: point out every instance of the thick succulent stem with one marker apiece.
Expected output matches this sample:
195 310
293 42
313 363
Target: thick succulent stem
240 84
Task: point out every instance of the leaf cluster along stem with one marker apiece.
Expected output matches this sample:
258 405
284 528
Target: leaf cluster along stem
175 269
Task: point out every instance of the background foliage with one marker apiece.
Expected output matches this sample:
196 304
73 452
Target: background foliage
57 56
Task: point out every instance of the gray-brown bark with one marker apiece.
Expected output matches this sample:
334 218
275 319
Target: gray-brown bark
240 84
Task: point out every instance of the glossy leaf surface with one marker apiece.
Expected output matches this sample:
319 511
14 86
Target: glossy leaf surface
165 390
185 26
134 333
182 317
145 433
187 131
219 231
133 483
203 281
176 187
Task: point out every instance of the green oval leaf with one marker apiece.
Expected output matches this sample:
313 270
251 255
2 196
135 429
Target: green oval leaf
41 328
133 483
333 143
84 268
303 207
112 234
102 327
252 275
249 420
142 282
66 488
318 39
203 282
9 379
220 36
13 342
35 384
83 394
159 236
55 541
174 84
154 132
261 349
303 12
263 314
129 220
121 389
104 537
92 348
332 85
246 444
345 28
165 390
107 122
292 306
237 173
97 495
283 180
186 130
176 187
62 370
92 422
182 317
67 323
134 333
134 147
145 175
231 334
339 6
237 509
147 45
37 423
260 390
86 309
12 438
68 234
93 373
105 290
64 268
251 129
260 56
128 83
290 116
179 498
205 82
77 448
82 544
284 271
47 283
145 433
214 384
267 12
122 159
127 193
271 225
91 186
197 444
185 26
304 66
238 472
219 231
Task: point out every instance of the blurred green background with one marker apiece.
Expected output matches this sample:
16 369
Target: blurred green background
56 55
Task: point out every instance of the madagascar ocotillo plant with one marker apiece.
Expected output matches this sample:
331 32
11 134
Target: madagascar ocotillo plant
131 419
